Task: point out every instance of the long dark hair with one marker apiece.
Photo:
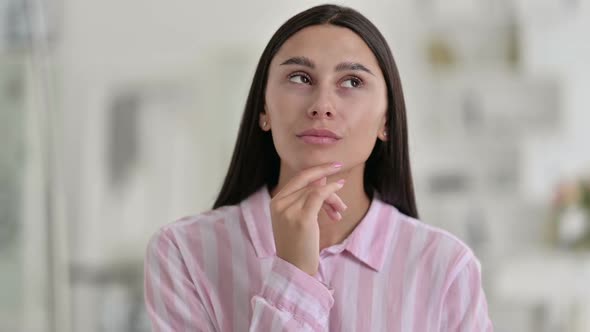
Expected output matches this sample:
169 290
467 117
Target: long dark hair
255 161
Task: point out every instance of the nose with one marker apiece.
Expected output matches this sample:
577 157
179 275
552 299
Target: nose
322 107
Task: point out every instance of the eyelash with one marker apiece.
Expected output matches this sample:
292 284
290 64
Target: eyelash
358 80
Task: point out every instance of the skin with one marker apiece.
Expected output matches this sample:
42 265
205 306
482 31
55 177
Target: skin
310 211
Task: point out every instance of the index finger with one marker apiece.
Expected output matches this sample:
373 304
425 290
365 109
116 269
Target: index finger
307 176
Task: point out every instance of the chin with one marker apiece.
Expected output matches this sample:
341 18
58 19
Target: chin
299 159
314 159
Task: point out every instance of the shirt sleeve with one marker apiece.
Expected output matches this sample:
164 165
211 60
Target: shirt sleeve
465 306
172 302
291 300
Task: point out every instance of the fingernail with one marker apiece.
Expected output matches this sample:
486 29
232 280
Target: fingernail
341 182
337 165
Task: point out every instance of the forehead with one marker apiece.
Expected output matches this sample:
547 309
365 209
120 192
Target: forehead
327 44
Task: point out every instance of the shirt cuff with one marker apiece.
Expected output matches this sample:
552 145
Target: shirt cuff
295 291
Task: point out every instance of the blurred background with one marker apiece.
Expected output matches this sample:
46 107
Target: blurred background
117 117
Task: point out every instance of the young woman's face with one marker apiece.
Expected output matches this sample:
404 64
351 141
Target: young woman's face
325 77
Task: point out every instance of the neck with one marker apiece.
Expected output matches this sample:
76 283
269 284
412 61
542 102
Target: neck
352 194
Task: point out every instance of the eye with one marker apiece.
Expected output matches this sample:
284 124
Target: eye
299 78
352 82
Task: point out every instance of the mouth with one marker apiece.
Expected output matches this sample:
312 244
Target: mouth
319 137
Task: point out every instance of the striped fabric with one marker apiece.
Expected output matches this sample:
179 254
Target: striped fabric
218 271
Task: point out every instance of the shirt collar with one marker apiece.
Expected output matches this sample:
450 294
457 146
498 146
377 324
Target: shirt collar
368 241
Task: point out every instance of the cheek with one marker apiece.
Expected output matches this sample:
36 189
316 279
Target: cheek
362 141
368 103
282 111
281 100
364 117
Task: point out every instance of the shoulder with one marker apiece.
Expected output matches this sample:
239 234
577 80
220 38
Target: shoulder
435 248
194 232
437 234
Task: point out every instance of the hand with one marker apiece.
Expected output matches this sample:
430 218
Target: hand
294 213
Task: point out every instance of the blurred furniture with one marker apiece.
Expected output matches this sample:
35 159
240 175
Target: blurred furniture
119 289
553 284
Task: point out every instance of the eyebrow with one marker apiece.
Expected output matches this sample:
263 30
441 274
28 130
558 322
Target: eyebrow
304 61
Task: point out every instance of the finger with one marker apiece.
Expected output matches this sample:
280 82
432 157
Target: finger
334 206
308 176
293 197
314 199
331 213
286 201
336 202
319 182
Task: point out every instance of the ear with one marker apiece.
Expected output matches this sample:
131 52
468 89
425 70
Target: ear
264 121
383 133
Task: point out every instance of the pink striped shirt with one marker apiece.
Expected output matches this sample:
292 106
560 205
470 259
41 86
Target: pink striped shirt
218 271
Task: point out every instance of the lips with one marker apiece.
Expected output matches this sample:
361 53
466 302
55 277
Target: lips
319 133
319 137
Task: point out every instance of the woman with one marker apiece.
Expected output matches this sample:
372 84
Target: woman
315 227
